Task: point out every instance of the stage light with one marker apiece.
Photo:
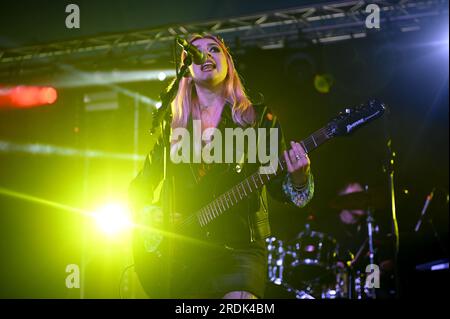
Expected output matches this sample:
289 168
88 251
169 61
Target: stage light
162 76
75 78
323 83
113 219
158 105
27 96
48 149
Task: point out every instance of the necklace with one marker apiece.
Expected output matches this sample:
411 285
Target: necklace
210 111
205 108
210 116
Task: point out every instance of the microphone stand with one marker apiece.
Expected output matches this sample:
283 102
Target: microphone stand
162 119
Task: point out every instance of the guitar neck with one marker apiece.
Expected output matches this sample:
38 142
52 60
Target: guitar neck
254 182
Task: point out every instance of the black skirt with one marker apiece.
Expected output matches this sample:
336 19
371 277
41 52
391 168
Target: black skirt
214 275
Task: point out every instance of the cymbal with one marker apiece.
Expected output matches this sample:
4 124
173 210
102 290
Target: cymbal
359 200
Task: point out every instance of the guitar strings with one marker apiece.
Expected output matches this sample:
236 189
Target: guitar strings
308 142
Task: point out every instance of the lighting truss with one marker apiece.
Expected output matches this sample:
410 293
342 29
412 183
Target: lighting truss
312 24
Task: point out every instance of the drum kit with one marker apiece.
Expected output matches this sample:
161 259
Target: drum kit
309 267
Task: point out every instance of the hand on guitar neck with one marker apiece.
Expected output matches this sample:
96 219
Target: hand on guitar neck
298 164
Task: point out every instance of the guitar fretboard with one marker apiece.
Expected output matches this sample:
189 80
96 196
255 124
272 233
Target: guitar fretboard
254 182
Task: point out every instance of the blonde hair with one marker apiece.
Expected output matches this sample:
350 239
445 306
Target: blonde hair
186 103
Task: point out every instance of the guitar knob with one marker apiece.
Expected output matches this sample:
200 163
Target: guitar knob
238 168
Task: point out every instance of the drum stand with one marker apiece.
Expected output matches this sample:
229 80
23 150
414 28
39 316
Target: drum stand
369 222
299 294
356 278
359 286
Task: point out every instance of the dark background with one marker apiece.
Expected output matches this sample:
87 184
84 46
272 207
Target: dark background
408 71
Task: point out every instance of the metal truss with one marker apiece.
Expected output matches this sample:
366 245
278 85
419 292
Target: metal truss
321 23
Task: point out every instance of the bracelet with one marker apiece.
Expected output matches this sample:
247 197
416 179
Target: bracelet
299 188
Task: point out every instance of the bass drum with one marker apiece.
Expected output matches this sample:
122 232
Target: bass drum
312 258
277 257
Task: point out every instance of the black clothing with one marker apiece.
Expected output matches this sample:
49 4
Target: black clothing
240 261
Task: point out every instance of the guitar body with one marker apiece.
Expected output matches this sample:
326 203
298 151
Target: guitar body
164 271
160 272
149 267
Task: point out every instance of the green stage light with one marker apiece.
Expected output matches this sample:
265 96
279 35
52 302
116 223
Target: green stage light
113 219
323 83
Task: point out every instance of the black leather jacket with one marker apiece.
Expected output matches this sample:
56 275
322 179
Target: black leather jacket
245 223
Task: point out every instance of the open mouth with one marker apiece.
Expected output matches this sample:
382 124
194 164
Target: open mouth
208 66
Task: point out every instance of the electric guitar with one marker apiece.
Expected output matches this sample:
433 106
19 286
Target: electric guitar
158 262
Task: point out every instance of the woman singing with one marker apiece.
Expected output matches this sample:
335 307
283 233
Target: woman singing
231 262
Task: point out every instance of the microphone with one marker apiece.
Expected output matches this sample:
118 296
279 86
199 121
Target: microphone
198 57
424 209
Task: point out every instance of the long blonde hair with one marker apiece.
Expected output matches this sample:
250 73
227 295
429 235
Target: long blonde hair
186 102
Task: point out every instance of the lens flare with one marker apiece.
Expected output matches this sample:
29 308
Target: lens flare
113 219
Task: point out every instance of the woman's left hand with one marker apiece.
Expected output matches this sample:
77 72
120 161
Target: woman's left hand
298 164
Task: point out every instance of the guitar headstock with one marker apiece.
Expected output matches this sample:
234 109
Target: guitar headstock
353 118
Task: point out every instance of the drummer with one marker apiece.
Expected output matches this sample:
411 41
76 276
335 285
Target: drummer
349 228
